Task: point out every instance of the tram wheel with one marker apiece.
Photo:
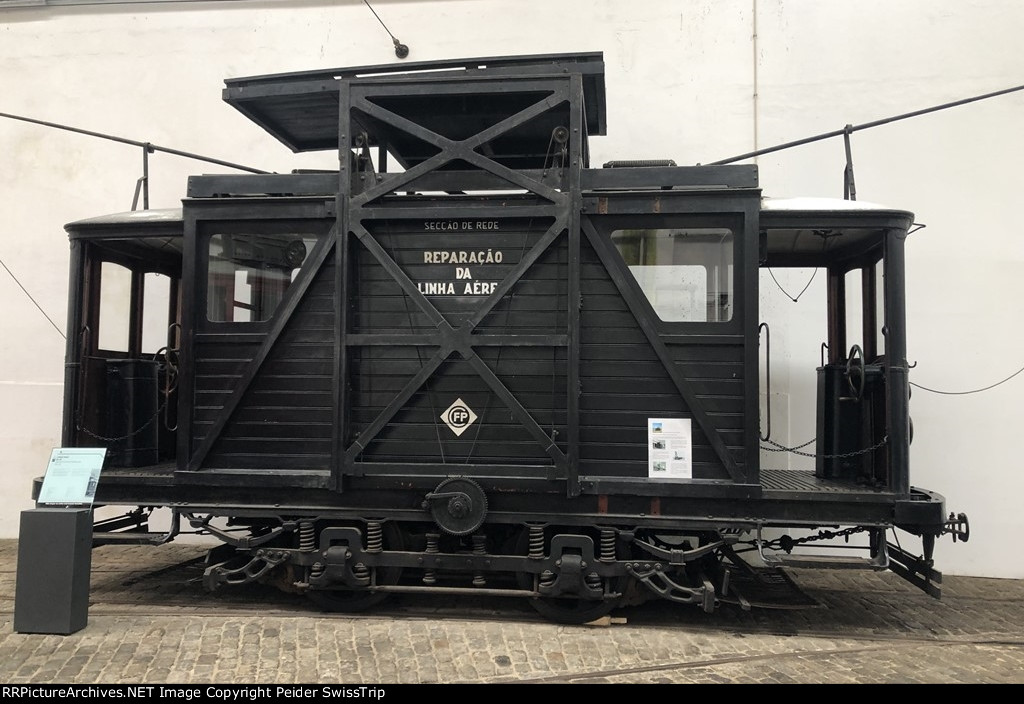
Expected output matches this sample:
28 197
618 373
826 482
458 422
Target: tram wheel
567 610
354 600
572 611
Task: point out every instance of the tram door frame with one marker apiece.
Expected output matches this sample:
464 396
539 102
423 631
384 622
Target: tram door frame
112 395
853 415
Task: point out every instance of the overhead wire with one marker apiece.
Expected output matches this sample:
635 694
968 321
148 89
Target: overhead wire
36 303
972 391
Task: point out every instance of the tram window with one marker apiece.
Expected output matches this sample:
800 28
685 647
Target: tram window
880 305
155 310
115 301
249 274
854 310
685 273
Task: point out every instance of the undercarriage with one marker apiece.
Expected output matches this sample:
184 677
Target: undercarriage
568 573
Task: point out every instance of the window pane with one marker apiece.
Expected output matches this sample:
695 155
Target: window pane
115 300
854 311
249 274
880 304
155 310
685 273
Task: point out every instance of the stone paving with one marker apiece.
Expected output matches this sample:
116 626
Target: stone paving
149 624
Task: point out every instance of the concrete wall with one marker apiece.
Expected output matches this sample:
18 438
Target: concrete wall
693 80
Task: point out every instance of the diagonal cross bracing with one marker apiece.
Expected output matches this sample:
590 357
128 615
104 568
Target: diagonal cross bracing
459 149
600 246
450 340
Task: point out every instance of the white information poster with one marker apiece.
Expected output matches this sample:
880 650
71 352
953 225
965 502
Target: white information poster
669 448
72 476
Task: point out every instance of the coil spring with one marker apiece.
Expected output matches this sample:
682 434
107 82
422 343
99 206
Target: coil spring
374 537
536 542
607 545
316 570
361 571
307 536
547 578
430 576
593 581
479 548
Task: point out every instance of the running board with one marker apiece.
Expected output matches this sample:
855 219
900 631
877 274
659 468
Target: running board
129 538
132 529
879 561
831 562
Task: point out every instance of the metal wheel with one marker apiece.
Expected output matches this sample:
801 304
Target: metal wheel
572 611
353 600
568 610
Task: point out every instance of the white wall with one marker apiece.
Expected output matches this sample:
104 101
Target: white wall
681 80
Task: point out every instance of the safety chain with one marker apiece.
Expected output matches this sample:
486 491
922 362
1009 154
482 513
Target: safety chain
132 434
795 450
788 542
170 356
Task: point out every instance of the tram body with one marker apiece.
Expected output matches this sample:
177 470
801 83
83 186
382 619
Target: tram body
492 369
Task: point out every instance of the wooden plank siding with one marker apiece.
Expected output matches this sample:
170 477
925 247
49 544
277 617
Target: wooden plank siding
536 376
284 420
624 384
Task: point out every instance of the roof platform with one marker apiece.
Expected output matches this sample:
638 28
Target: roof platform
453 99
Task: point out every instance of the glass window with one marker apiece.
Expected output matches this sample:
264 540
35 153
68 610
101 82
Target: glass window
115 303
685 273
155 310
854 310
880 305
249 274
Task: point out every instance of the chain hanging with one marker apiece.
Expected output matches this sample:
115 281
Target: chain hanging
796 450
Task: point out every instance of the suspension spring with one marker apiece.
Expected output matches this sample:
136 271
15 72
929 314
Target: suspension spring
607 545
361 571
430 576
536 542
593 581
374 536
547 578
307 536
317 569
479 548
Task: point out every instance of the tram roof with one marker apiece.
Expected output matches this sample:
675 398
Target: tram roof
302 109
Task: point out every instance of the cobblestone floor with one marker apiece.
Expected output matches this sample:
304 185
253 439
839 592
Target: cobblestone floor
150 622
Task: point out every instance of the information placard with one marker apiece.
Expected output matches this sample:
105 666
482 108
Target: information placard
72 476
669 448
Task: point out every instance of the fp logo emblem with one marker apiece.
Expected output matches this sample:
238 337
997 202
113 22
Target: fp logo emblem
458 417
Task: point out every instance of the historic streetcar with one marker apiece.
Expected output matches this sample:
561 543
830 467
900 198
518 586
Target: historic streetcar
467 361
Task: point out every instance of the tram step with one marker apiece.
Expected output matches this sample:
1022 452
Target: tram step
833 562
128 538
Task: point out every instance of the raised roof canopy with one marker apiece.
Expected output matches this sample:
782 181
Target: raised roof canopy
302 109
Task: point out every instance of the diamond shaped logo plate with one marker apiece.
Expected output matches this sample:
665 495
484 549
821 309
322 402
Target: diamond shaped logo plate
458 417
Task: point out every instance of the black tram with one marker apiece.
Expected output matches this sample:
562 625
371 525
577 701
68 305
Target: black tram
469 362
